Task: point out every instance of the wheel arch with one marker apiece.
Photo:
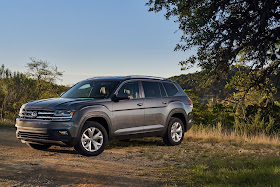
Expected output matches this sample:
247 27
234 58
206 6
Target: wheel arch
98 117
178 113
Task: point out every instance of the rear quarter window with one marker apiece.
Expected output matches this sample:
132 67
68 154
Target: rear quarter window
170 89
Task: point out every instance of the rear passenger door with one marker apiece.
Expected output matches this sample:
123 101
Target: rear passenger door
155 105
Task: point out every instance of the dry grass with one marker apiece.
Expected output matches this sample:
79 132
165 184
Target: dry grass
217 134
5 123
217 157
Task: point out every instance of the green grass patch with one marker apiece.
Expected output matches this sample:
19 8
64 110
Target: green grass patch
224 172
237 172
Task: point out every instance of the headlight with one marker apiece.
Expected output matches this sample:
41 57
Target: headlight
21 109
64 113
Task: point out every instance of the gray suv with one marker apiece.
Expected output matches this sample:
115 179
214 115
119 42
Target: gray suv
100 109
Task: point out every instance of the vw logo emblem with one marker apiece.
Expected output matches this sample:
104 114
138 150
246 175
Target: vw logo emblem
34 114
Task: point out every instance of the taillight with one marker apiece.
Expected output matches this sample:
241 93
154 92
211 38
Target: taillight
190 103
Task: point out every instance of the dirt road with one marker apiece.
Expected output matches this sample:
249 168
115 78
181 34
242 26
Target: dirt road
141 162
116 166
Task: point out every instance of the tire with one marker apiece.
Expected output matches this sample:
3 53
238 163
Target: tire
175 132
89 143
39 146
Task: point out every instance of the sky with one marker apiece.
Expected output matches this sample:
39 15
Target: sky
87 38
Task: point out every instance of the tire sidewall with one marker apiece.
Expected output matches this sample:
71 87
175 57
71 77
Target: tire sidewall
79 147
168 133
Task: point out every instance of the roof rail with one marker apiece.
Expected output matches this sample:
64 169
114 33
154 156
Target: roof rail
148 77
95 77
131 77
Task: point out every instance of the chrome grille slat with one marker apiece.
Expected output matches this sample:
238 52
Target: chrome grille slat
44 117
41 114
45 113
40 117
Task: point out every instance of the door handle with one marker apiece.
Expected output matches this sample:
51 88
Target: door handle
140 104
164 102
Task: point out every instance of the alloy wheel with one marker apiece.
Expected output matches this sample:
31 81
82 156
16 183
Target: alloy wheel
92 139
176 132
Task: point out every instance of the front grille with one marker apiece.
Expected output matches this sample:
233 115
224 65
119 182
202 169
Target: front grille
36 114
33 135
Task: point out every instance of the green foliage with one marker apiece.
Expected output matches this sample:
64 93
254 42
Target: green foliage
226 33
212 114
17 89
238 51
238 79
227 103
258 122
241 82
256 119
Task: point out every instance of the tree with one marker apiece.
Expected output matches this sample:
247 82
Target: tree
16 89
228 32
41 70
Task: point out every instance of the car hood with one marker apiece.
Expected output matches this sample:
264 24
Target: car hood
52 103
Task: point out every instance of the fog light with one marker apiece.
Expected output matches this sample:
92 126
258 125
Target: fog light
63 132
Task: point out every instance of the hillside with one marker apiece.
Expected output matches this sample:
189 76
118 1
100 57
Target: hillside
206 87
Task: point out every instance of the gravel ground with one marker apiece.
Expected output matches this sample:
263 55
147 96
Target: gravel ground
116 166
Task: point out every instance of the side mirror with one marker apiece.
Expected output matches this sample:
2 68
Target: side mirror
61 94
116 98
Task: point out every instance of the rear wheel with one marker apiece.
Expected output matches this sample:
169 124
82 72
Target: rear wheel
175 132
39 146
92 139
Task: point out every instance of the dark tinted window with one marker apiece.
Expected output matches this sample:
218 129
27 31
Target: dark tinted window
151 89
162 91
170 89
91 89
130 89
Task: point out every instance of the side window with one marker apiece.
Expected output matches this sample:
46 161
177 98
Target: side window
151 89
170 89
130 89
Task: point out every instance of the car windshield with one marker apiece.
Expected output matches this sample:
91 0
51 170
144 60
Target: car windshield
91 89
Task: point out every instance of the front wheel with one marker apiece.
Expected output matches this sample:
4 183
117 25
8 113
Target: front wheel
39 146
92 139
175 132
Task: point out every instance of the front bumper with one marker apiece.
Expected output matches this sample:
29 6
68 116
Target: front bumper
46 132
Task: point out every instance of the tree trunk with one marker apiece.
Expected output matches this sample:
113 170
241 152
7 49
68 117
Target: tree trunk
3 107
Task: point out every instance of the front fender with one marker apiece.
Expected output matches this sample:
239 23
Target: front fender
94 111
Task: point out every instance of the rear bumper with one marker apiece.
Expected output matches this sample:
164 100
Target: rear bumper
46 132
189 121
